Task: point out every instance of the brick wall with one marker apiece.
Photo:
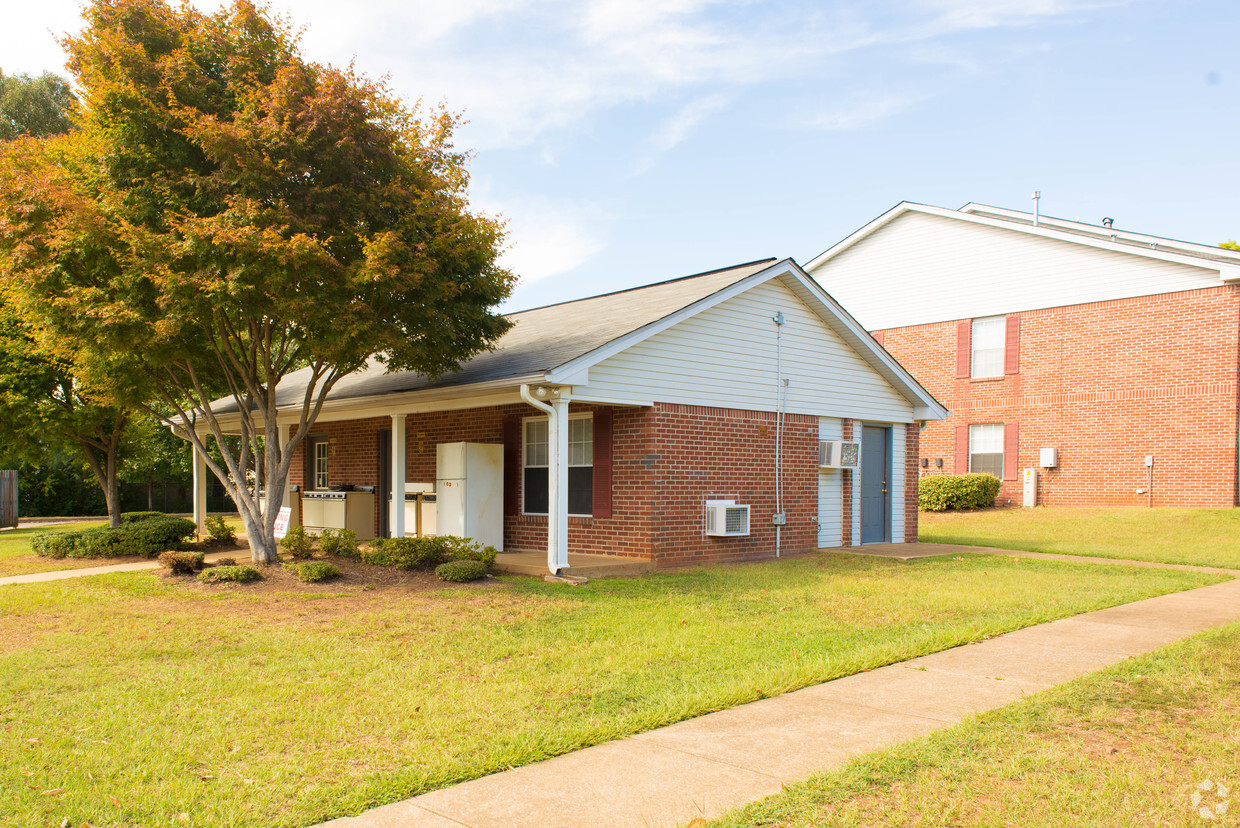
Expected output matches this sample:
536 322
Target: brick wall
713 453
667 461
1106 383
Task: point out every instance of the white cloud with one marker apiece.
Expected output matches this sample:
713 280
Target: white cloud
677 128
546 238
862 111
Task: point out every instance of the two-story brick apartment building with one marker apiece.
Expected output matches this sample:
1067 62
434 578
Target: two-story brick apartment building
1105 345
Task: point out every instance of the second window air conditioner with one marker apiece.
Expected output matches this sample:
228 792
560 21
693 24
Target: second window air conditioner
724 518
839 454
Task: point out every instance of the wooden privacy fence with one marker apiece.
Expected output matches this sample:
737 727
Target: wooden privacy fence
8 498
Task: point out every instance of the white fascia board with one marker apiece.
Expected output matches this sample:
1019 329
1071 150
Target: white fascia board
1172 245
561 375
476 395
603 399
848 241
1044 230
926 407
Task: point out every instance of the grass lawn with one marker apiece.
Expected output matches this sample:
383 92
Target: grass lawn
17 559
1127 746
131 700
1206 537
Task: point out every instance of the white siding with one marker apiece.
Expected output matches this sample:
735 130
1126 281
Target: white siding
897 483
725 357
830 490
921 268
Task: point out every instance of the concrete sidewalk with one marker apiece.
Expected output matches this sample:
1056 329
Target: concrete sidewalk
705 766
242 556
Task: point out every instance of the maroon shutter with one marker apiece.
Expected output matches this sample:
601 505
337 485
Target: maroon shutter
1011 448
1011 347
602 463
512 465
964 349
962 450
878 337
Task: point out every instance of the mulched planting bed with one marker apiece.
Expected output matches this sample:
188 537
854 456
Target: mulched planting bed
354 577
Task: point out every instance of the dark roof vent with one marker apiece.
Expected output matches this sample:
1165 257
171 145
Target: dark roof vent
1107 222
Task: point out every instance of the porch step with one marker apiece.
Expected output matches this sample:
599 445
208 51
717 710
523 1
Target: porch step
589 566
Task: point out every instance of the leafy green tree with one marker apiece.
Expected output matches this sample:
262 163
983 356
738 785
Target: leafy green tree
38 107
45 409
230 213
45 406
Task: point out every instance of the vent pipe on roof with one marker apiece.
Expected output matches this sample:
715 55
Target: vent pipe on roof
1037 194
1107 222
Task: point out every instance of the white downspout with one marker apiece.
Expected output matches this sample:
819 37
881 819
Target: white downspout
557 474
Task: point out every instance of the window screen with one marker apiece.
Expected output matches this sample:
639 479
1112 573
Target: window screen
986 449
987 343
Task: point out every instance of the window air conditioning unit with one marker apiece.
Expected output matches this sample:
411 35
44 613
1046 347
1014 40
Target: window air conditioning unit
839 454
726 519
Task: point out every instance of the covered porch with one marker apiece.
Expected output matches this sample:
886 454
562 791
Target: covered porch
380 462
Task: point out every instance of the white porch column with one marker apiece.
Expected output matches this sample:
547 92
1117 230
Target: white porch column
557 497
399 473
200 491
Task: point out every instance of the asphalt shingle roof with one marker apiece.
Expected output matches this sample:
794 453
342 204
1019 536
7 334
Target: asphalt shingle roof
540 340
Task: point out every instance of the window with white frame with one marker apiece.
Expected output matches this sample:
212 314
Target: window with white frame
986 449
536 458
987 342
318 462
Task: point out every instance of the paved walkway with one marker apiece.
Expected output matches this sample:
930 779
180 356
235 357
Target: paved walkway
242 556
705 766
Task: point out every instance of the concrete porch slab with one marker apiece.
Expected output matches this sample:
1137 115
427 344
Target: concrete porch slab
588 566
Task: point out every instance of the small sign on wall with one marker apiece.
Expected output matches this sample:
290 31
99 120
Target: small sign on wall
282 518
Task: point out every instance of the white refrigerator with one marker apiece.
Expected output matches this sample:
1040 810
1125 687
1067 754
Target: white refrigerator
469 490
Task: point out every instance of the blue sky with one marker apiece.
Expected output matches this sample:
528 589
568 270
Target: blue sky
627 142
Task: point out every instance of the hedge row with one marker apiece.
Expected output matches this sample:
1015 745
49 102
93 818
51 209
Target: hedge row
941 493
147 536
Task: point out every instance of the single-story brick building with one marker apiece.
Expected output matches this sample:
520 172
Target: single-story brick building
1078 351
639 423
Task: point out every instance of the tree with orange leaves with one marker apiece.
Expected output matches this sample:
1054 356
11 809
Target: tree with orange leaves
230 213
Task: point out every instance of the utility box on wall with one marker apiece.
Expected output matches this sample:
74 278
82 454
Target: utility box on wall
1030 498
1049 458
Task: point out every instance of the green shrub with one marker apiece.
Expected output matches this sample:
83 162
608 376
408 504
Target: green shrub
342 542
181 562
147 537
138 517
460 549
461 571
229 574
420 553
312 572
53 544
220 530
941 493
297 543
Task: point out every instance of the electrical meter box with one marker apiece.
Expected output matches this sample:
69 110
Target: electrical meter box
1030 479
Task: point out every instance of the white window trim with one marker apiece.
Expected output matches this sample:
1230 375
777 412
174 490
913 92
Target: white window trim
314 463
535 419
1001 324
1002 446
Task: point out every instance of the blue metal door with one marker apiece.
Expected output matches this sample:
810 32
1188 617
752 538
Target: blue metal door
875 484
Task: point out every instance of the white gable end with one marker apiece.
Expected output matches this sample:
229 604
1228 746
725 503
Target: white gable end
922 268
725 356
